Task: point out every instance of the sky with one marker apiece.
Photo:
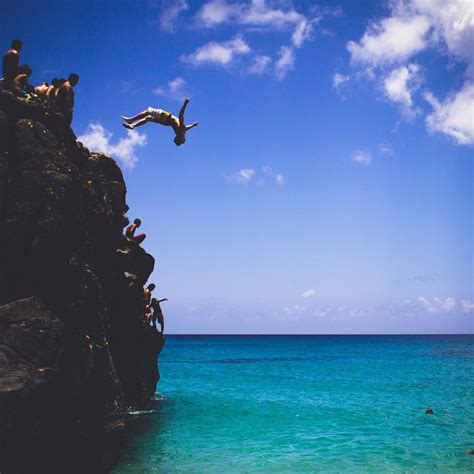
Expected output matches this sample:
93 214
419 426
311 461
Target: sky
329 186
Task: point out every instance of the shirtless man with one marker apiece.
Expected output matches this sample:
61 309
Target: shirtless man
163 118
65 97
158 313
51 95
41 91
147 294
20 83
10 64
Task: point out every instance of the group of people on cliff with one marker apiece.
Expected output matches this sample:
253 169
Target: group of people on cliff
152 312
57 97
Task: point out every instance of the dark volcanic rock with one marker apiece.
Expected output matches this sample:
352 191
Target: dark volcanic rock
74 351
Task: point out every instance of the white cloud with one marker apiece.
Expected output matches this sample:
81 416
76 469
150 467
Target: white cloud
385 149
253 13
175 89
308 293
97 138
393 39
338 80
221 54
411 27
280 179
399 86
363 157
259 65
285 62
454 116
437 304
302 32
244 176
171 10
467 306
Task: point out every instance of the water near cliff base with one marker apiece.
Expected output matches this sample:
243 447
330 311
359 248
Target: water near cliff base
308 404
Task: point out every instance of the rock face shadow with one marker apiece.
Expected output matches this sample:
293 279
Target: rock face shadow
74 350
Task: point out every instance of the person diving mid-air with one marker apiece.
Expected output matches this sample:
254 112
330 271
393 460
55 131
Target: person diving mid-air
164 118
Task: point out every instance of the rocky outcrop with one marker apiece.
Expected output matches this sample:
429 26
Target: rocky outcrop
74 351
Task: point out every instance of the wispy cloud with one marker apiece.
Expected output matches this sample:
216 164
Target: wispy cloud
386 49
285 62
454 116
97 138
435 305
399 86
339 80
362 156
220 54
244 176
308 293
170 12
175 89
259 65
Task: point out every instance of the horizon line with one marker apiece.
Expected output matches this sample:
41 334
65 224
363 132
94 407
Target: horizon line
322 335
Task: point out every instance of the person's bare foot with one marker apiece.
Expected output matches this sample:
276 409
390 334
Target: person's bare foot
127 119
127 125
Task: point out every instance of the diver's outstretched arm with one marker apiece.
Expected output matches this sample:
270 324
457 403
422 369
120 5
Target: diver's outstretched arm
181 113
189 127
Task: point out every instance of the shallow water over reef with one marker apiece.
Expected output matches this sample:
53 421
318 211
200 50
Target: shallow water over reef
308 404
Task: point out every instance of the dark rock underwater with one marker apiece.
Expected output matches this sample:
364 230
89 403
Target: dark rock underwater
75 354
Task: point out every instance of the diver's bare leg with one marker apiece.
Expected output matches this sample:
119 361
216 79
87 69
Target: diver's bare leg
141 122
135 117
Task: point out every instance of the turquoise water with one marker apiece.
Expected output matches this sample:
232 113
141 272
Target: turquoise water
308 404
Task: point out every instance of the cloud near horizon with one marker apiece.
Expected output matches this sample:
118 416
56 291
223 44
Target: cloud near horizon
98 139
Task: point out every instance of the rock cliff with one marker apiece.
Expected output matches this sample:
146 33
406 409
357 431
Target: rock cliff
74 351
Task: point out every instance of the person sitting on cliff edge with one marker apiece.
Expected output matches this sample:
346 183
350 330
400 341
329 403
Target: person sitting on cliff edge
11 62
64 99
158 313
163 118
130 232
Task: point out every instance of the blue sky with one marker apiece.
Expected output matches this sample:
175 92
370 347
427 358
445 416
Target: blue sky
328 188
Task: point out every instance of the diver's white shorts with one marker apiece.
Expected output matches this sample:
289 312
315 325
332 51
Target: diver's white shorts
155 113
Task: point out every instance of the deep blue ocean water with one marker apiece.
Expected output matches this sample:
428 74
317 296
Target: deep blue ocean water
308 404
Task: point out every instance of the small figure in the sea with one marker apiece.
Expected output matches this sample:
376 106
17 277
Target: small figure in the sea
163 118
429 411
64 100
470 452
11 63
130 232
51 95
147 294
158 313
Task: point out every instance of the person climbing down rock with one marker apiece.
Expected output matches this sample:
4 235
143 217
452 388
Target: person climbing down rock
158 313
163 118
130 232
64 100
11 63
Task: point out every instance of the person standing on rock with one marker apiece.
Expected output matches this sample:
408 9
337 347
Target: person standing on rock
130 232
65 97
51 95
163 118
11 62
158 313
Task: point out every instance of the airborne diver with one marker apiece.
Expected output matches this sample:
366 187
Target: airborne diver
164 118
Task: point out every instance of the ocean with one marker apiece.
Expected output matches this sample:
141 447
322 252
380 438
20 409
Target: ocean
265 404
